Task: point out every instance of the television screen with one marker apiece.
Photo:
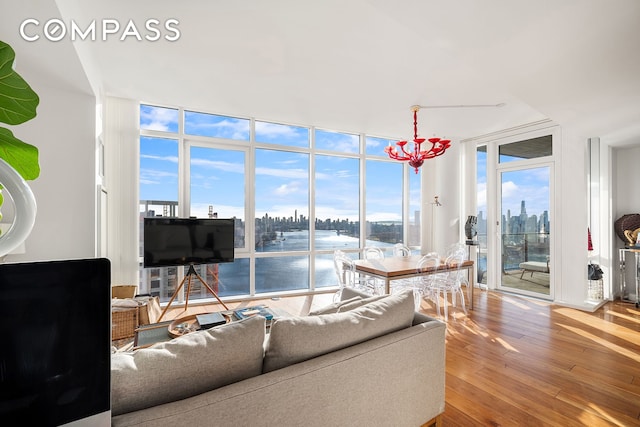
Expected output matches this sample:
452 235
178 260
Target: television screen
56 343
187 241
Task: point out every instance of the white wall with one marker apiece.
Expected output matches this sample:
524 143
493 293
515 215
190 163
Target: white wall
626 193
572 212
64 132
441 224
121 137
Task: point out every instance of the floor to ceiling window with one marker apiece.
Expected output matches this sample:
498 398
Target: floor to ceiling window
296 193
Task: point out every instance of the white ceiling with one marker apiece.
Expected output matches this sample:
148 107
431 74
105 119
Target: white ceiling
359 65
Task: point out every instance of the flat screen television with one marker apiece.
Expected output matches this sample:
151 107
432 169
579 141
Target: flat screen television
55 353
187 241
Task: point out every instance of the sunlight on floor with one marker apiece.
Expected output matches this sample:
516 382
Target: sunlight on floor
634 318
506 345
603 342
512 301
601 324
605 415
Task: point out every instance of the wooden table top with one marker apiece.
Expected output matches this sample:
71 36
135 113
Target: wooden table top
398 266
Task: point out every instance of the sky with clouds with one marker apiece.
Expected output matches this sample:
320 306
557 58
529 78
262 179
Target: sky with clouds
530 185
281 177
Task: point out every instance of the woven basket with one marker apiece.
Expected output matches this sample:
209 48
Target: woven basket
124 322
626 222
123 291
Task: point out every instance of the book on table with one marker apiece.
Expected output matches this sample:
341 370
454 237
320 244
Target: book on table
258 310
209 320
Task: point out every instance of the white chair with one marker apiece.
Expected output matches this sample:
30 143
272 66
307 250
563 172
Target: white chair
369 253
425 283
372 252
461 250
349 277
437 285
400 249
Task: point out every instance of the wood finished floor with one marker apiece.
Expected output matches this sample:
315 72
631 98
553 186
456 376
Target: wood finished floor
521 362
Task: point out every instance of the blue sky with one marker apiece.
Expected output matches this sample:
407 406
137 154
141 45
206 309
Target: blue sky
282 177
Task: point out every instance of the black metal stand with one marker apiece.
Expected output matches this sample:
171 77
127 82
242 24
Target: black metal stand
187 278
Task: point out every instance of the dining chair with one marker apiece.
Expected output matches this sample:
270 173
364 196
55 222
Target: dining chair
461 250
369 253
426 283
451 282
400 249
372 252
349 277
440 285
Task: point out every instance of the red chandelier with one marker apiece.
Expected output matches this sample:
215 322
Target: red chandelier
417 157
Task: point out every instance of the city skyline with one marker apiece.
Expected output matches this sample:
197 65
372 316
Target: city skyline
531 184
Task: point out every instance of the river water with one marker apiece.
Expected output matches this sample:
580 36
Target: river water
290 271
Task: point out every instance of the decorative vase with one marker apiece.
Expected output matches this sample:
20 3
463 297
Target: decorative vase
25 208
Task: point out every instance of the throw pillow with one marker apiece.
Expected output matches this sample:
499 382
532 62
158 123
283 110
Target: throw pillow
296 339
187 366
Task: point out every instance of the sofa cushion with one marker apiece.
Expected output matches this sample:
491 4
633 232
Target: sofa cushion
345 305
350 305
333 307
295 339
187 366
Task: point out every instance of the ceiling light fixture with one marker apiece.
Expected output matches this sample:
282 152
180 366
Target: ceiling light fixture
419 154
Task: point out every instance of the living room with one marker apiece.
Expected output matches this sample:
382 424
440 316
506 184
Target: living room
326 69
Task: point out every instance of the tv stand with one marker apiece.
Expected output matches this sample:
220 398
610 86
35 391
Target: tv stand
187 278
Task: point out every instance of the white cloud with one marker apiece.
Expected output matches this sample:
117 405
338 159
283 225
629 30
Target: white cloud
171 159
156 118
155 176
219 165
509 189
274 130
235 129
283 173
481 199
286 189
384 217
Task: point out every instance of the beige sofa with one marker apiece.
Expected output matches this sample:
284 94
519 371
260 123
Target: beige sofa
359 362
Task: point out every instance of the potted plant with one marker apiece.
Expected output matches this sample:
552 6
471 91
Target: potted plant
18 160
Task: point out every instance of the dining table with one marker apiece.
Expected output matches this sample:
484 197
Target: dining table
404 267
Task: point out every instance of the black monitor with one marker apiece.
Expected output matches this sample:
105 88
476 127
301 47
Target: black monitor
187 241
56 342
